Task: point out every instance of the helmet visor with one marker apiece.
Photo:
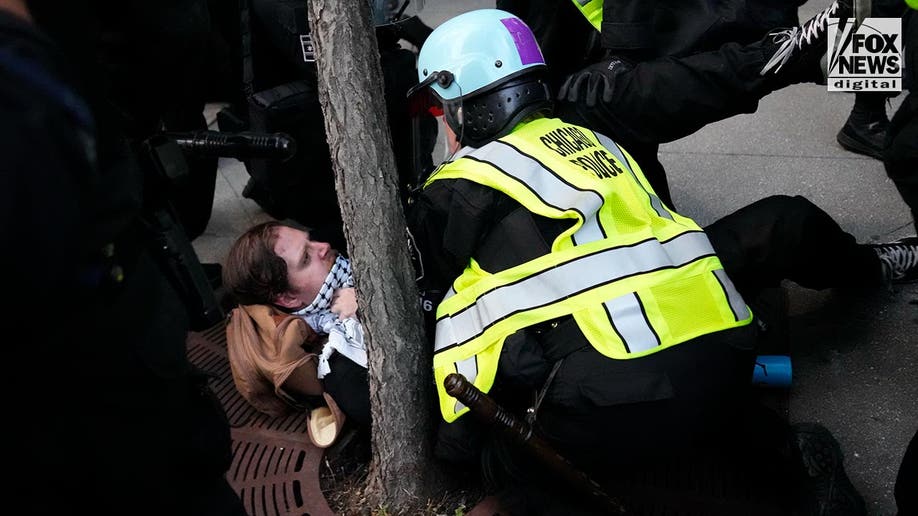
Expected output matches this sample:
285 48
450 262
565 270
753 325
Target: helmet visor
434 140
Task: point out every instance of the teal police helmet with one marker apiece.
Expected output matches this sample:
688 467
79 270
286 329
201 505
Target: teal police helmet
483 67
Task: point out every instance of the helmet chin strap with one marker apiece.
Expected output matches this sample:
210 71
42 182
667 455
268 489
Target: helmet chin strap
459 119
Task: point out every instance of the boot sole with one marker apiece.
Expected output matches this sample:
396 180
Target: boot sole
823 457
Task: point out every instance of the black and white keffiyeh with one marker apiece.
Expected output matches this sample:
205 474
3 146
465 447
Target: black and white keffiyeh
344 336
339 277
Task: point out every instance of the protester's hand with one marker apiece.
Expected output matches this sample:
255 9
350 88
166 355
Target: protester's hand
594 83
344 303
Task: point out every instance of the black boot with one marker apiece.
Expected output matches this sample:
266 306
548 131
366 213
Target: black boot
865 132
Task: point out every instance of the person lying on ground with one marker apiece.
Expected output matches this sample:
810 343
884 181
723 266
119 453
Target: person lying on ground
275 269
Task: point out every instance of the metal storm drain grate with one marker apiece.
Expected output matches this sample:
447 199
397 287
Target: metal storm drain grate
275 467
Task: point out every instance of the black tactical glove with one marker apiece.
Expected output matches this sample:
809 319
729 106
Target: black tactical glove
593 82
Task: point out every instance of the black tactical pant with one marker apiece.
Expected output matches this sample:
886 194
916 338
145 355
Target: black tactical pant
901 155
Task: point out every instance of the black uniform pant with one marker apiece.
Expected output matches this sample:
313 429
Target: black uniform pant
901 155
782 237
348 384
601 411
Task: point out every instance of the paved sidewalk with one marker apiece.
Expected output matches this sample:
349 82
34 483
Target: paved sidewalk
854 358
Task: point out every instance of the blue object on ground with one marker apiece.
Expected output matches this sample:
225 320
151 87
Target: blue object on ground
772 371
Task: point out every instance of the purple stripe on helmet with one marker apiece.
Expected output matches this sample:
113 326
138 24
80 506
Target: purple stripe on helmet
525 42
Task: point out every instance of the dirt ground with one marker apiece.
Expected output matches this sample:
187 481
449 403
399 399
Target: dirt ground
343 475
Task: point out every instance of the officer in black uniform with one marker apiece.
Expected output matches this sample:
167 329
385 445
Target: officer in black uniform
304 188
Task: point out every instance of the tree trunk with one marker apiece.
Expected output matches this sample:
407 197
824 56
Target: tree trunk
351 95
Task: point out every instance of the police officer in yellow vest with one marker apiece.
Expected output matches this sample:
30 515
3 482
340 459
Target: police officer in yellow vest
556 271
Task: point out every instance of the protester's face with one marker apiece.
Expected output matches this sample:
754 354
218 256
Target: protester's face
308 264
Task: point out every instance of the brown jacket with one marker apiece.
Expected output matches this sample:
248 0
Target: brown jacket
265 348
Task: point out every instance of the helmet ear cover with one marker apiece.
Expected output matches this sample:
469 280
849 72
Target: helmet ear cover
492 114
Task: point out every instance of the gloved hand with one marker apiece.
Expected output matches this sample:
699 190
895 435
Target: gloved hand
593 83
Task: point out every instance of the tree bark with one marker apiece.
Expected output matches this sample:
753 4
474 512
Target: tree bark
366 179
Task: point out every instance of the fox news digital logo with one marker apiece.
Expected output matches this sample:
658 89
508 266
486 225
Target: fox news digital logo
868 58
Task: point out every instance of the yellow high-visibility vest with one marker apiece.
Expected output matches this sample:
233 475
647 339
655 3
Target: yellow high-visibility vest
636 276
592 11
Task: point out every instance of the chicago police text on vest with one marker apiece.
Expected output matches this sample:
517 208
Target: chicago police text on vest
569 140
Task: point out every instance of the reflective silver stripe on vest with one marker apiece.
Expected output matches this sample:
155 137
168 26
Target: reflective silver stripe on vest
626 313
568 279
613 147
462 152
468 149
548 186
469 369
740 310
